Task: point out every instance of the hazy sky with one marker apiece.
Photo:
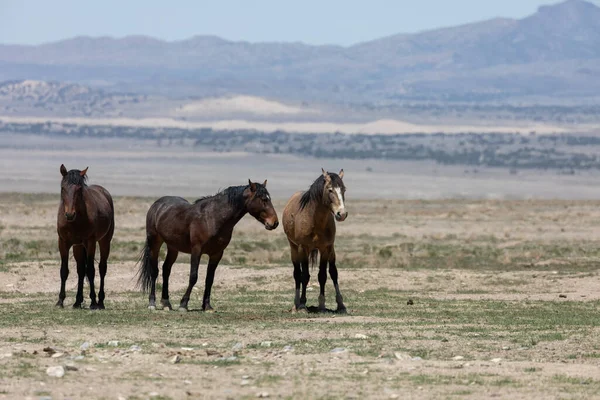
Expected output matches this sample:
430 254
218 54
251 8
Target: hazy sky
311 21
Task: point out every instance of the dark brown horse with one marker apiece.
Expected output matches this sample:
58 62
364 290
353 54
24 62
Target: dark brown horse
85 216
204 227
308 222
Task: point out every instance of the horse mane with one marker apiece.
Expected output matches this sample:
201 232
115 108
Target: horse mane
74 177
235 194
314 194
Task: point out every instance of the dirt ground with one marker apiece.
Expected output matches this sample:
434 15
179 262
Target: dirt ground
505 298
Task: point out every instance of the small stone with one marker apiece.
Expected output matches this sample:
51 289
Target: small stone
6 355
409 302
212 352
71 368
237 347
187 382
288 348
175 359
360 336
458 358
417 358
496 360
394 396
121 398
153 394
266 343
262 395
562 296
49 350
187 348
245 382
338 350
90 369
84 346
56 371
113 343
505 348
78 358
402 356
57 355
444 340
246 377
135 347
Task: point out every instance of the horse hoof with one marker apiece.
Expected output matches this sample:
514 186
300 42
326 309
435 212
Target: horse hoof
153 308
60 305
300 309
341 310
78 305
209 310
101 306
94 307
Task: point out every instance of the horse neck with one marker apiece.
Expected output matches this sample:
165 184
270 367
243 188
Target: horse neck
319 215
81 204
232 214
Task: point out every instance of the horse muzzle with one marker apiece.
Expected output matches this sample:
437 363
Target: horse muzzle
341 216
272 226
70 216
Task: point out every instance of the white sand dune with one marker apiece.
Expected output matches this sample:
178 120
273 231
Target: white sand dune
240 104
383 126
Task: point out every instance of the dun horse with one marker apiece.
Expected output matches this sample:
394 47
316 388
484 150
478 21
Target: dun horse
85 216
204 227
308 222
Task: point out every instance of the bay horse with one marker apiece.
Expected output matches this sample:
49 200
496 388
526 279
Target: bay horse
309 223
85 216
204 227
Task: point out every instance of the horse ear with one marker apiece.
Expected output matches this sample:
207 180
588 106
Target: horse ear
82 173
265 183
252 186
326 175
341 174
63 170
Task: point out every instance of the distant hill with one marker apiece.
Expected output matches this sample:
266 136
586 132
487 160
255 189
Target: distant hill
552 53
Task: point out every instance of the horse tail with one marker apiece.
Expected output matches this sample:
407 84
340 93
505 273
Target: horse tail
312 257
145 272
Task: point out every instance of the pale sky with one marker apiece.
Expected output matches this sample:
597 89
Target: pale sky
341 22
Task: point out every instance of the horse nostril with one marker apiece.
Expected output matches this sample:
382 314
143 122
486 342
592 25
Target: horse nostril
276 224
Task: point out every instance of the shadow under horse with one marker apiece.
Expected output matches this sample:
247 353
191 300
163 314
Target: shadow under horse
85 216
309 223
204 227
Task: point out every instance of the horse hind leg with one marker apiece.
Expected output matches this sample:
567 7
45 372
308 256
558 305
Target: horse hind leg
166 273
154 244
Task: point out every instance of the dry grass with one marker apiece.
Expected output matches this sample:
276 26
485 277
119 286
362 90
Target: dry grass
485 279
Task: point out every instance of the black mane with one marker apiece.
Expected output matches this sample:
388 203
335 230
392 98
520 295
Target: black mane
314 194
74 177
234 194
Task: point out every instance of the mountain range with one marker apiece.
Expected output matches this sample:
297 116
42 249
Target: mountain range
552 55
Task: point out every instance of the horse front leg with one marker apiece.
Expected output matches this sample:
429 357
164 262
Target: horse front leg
91 271
63 247
333 272
80 259
325 255
194 264
213 262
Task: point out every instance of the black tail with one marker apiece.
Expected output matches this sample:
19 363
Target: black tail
312 257
145 272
